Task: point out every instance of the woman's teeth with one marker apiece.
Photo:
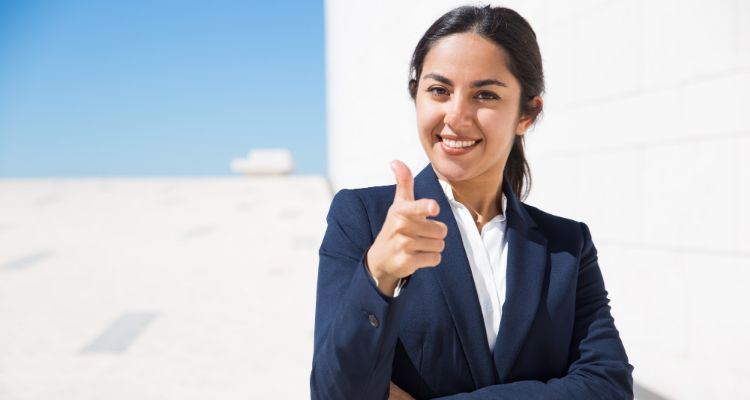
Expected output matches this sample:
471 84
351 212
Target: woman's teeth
458 144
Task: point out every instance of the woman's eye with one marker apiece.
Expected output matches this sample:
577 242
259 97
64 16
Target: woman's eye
487 96
437 91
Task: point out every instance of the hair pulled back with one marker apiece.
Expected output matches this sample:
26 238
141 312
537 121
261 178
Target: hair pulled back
513 34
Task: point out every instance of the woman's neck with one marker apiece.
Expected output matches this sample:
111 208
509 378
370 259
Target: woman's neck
481 195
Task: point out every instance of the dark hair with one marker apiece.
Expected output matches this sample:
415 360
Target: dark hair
512 33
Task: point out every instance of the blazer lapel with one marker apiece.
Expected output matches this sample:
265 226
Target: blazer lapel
526 266
457 284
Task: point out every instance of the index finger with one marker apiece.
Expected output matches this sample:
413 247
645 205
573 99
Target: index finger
421 208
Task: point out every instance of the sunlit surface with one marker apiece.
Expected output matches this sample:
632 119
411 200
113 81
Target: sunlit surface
154 288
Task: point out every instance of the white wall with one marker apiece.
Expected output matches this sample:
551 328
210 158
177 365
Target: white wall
645 137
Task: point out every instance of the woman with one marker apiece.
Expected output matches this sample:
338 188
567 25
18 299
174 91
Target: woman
448 285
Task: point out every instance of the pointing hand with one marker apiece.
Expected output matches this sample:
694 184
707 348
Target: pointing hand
408 240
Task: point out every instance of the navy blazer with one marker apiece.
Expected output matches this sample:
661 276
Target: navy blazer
557 338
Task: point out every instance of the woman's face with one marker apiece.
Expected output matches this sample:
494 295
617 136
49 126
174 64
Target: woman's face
467 107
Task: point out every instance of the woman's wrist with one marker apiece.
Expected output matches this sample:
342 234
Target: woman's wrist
386 283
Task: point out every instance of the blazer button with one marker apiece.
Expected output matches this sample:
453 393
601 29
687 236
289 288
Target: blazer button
373 320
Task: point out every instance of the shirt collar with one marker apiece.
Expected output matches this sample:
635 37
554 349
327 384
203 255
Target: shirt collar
449 194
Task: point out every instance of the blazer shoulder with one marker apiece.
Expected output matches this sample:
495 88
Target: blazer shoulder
375 200
560 229
360 206
372 195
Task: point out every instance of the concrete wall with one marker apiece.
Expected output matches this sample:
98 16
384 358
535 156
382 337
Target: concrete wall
645 137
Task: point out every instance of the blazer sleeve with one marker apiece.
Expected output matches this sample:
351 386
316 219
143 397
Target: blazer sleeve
356 325
599 367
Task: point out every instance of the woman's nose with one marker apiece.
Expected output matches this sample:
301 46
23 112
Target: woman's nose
458 114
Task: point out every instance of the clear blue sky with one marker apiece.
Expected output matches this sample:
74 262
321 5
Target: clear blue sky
150 88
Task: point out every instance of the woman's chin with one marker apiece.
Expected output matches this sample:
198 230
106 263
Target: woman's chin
451 171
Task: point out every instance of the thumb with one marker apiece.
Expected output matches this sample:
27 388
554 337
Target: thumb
404 181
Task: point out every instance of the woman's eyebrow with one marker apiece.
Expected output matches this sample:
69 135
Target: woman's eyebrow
485 82
475 84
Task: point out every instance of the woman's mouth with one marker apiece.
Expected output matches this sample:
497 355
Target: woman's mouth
457 147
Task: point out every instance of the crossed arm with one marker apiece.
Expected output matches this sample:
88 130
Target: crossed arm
600 368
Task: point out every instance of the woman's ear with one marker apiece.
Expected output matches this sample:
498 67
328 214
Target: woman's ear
413 88
535 104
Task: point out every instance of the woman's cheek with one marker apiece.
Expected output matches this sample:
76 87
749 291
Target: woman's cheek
495 125
429 120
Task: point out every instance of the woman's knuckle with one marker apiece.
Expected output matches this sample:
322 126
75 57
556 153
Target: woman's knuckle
401 225
443 230
401 242
402 260
436 258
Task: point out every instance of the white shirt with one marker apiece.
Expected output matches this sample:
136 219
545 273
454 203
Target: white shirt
488 257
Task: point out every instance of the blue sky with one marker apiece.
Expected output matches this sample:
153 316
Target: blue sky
153 88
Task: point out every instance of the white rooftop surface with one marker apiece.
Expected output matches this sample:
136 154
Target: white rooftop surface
158 288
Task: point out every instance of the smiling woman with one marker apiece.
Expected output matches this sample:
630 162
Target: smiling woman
469 95
448 285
